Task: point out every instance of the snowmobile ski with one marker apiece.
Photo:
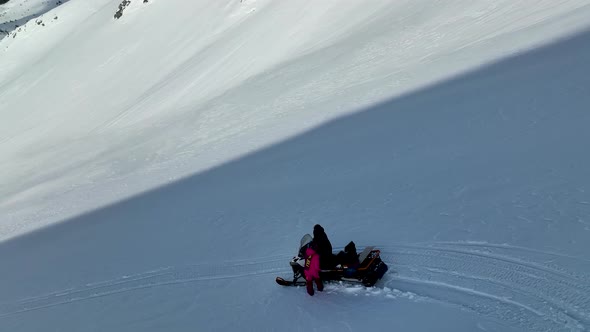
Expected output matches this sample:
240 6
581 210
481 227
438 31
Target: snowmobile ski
284 282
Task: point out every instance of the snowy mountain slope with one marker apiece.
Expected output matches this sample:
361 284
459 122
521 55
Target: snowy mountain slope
212 91
474 186
505 253
14 14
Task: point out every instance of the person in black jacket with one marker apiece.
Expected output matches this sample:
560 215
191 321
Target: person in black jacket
323 247
348 258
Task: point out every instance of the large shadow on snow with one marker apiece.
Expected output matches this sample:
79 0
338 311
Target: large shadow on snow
479 156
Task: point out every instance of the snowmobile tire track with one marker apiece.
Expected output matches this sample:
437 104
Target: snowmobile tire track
165 276
483 279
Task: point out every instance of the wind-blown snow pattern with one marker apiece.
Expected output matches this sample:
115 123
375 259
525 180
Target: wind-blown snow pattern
158 170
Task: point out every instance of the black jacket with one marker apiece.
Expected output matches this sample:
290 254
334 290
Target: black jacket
323 247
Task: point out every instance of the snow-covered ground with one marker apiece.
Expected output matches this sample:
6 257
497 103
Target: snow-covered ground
157 171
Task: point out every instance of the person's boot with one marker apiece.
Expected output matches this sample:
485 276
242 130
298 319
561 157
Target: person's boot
310 287
320 285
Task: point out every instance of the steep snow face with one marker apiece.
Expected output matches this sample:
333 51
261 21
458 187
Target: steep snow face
179 152
110 108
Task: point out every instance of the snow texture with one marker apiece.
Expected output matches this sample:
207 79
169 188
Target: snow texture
158 170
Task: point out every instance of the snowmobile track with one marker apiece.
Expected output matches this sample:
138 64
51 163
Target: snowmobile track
508 284
160 277
490 280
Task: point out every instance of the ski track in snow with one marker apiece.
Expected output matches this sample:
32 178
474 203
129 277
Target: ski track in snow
483 278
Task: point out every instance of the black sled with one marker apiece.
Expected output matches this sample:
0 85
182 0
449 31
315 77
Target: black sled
368 272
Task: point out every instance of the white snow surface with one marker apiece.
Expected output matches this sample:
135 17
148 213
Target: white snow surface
157 171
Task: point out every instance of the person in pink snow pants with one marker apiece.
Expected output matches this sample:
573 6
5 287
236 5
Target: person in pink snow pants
312 270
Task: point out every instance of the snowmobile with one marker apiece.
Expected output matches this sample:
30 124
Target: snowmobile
368 272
